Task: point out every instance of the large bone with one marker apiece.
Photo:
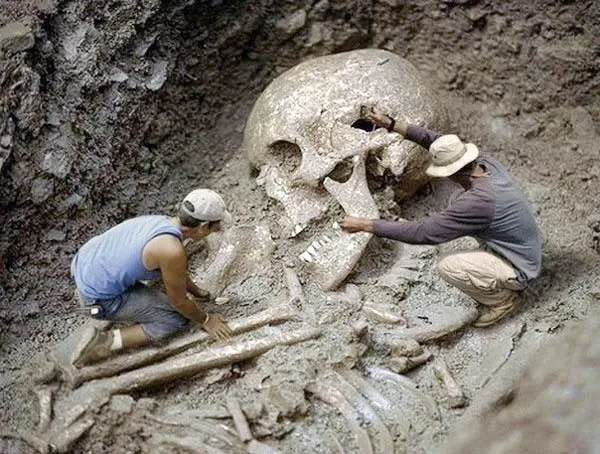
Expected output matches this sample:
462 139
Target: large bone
334 398
139 358
344 250
378 400
406 384
97 392
382 435
456 397
241 250
442 325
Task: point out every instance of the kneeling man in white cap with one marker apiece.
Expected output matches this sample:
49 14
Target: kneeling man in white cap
109 269
491 209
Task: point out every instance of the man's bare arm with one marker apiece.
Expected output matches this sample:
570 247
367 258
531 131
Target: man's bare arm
201 294
169 254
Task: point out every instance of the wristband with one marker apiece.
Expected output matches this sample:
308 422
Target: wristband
390 128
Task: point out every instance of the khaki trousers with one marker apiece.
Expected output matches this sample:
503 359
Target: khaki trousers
483 276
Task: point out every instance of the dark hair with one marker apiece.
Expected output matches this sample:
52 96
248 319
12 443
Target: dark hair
467 169
187 220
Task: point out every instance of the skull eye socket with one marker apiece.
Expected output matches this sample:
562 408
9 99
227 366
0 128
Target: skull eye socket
287 154
342 171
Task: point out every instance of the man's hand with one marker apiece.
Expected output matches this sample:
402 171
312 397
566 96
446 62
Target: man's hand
381 120
352 224
216 326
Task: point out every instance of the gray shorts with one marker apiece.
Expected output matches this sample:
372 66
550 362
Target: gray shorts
144 305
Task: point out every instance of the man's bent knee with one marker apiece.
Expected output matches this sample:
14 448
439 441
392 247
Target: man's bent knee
160 332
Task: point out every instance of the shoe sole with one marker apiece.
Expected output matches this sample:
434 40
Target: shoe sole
86 337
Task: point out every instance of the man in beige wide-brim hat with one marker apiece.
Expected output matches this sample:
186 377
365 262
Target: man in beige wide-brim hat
491 209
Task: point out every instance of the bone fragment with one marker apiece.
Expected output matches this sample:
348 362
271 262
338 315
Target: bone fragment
239 420
383 438
334 398
378 400
406 347
44 395
294 286
452 322
406 384
350 296
65 440
139 358
456 397
382 314
359 327
402 364
219 432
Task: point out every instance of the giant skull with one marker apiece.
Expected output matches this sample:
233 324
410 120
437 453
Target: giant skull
303 137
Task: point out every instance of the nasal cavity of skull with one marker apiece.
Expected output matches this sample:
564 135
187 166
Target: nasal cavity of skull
342 171
286 155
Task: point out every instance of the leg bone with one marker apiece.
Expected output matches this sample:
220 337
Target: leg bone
456 397
139 358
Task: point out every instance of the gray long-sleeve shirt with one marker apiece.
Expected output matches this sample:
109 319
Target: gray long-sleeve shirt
493 210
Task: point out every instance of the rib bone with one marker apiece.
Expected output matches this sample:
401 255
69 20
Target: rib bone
456 397
139 358
382 434
334 398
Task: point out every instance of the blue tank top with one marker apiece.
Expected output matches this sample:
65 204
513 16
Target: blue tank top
110 263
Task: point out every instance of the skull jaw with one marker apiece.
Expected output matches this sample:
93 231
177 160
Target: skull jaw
332 258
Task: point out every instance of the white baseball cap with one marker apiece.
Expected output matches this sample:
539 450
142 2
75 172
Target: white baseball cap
206 205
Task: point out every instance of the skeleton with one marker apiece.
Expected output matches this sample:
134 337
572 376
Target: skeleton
300 135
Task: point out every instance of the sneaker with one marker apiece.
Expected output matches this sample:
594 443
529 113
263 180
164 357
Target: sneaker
491 314
93 346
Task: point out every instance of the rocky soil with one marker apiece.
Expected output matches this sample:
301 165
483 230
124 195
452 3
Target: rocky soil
113 109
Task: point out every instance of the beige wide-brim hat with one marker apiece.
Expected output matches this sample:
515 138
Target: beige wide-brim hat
449 155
